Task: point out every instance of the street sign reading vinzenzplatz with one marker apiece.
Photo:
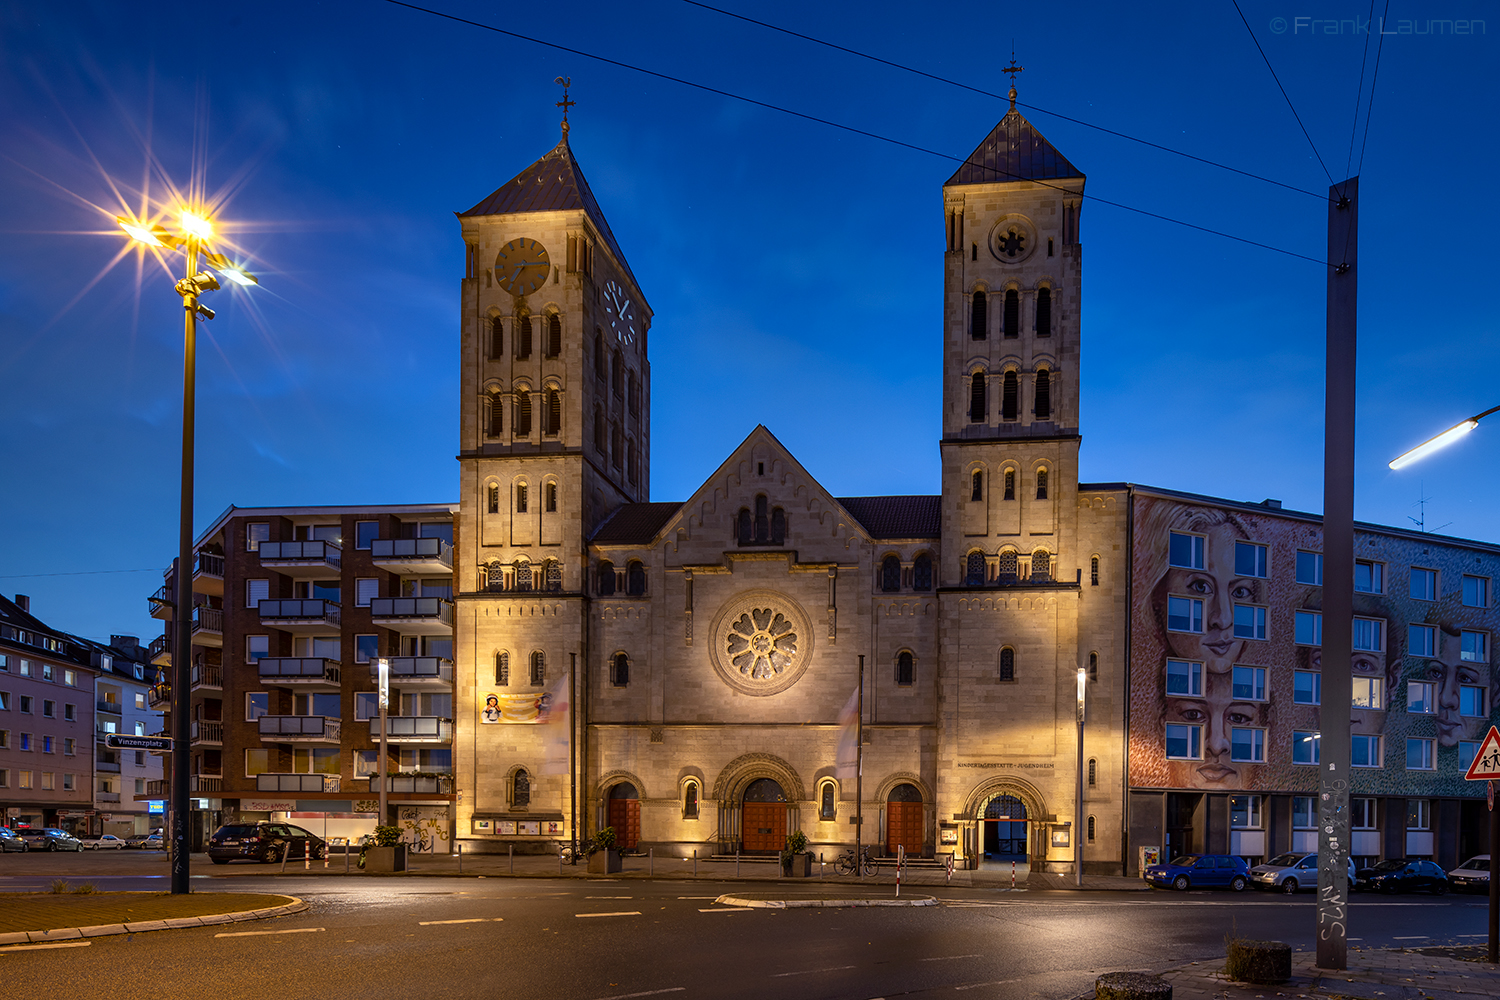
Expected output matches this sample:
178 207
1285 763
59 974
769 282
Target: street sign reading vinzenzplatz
117 741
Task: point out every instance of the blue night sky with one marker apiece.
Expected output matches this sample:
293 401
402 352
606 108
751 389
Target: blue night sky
795 270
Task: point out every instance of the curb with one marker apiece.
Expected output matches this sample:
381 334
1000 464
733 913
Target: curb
788 904
104 930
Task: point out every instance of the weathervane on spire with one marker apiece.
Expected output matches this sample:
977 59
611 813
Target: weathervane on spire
1013 69
565 82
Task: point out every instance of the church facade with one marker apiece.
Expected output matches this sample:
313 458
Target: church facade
684 671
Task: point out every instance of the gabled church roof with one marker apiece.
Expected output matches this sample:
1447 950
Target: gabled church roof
1014 151
917 516
634 523
555 183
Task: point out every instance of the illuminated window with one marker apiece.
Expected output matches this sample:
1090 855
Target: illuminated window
538 667
1041 484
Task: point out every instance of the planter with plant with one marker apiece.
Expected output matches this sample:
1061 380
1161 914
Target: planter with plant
796 860
388 854
604 858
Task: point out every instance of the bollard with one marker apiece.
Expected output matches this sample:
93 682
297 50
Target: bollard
460 857
346 856
286 849
559 859
306 858
900 858
822 873
736 862
510 849
695 862
950 869
651 855
1012 876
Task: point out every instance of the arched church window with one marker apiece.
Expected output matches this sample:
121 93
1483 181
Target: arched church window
1093 771
502 669
976 486
522 425
632 461
552 418
497 339
617 374
978 403
605 577
538 668
523 338
494 414
554 335
635 395
1091 829
619 670
978 317
1094 571
1044 312
1010 482
825 802
551 501
890 574
921 573
523 574
1005 571
1007 664
778 526
746 526
521 498
1093 666
904 668
762 520
690 800
494 576
1010 397
1012 314
635 578
599 439
974 569
1041 484
520 788
617 445
492 501
599 355
1043 408
1041 565
552 575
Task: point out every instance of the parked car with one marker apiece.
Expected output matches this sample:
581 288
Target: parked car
11 841
1405 875
1471 876
107 842
146 841
1202 871
264 841
52 839
1291 872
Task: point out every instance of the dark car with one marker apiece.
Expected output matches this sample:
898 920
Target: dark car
52 839
264 841
1201 871
1404 875
10 841
1471 876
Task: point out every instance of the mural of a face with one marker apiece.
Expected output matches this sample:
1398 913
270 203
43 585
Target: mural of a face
1448 672
1218 712
1217 586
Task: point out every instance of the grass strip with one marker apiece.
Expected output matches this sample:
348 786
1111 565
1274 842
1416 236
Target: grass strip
41 911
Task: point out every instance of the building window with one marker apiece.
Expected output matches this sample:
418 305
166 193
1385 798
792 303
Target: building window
1467 751
1012 314
1369 577
1244 812
552 414
1307 628
1250 559
617 446
1249 622
1471 701
1093 772
522 575
1041 565
365 590
520 498
1093 666
552 576
1010 396
70 711
635 578
523 337
1476 592
366 648
493 499
1184 742
1184 679
1421 640
1369 692
619 670
538 667
1362 814
551 501
1249 683
365 532
1420 698
1418 814
255 533
502 669
617 374
1475 647
554 335
520 789
690 800
494 409
904 668
25 704
521 428
256 591
1304 813
1043 405
1041 484
1006 566
257 648
257 703
49 708
921 573
974 569
1007 664
1184 614
497 338
1010 485
1369 634
976 484
1185 551
1091 819
1423 584
978 404
605 578
1247 745
825 802
890 574
1364 751
979 317
1093 571
635 395
1044 312
599 356
1309 568
1305 747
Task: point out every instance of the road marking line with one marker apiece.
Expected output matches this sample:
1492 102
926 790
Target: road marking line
812 972
467 920
608 897
1459 935
721 909
1411 937
648 993
293 930
622 913
949 958
997 982
697 897
45 947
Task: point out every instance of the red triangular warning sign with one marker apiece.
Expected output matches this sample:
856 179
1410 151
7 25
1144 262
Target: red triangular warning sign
1486 766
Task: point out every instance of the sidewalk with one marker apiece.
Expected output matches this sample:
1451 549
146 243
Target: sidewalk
37 918
1397 974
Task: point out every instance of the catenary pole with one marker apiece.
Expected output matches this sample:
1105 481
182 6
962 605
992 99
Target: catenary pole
1338 578
859 776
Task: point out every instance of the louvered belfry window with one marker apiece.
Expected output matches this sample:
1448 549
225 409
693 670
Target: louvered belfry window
1043 395
522 426
554 335
977 491
979 320
1010 397
1044 312
552 419
1041 484
497 339
1012 314
1010 484
495 416
978 405
523 337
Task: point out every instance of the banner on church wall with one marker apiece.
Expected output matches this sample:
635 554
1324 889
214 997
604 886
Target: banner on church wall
523 709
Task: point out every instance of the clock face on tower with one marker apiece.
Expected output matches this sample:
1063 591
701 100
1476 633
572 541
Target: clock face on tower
521 266
621 319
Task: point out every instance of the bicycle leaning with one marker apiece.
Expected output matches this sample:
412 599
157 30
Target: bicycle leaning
847 865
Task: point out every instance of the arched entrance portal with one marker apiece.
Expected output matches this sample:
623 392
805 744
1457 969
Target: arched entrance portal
1005 833
625 815
763 816
903 820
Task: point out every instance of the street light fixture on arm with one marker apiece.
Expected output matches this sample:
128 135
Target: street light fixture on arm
196 230
1444 439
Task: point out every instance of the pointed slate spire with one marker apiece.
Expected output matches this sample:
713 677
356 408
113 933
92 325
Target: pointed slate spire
1014 151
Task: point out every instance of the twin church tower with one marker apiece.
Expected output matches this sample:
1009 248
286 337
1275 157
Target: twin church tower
678 670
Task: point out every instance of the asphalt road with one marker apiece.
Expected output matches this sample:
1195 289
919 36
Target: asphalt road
593 939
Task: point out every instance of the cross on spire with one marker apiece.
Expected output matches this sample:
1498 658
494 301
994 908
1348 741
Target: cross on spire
1013 69
565 82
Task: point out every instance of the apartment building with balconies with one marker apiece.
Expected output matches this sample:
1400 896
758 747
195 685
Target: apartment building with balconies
122 705
292 608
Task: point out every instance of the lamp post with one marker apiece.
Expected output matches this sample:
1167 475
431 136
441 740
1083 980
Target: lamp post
1444 439
1078 821
196 230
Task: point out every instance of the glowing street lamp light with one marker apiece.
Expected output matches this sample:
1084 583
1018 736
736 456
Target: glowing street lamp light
1444 439
196 229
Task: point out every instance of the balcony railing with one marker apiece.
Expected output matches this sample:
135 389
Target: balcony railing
160 650
416 669
106 796
159 696
299 728
107 762
431 784
432 611
310 553
316 611
209 565
296 783
158 788
299 670
206 619
207 675
206 732
161 603
109 707
205 783
412 555
414 729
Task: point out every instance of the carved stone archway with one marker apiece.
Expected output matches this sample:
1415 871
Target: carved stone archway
736 776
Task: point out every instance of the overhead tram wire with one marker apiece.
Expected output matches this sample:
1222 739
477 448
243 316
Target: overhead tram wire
1370 107
1359 93
1284 94
845 128
1000 97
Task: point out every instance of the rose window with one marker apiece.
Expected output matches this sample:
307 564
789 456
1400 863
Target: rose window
761 643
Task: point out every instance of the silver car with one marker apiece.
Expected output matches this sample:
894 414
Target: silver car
1291 872
1471 876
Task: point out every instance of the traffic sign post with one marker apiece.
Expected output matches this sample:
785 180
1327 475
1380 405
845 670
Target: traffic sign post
1486 767
118 741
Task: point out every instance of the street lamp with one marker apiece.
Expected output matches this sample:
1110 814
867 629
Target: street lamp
196 231
1078 821
1444 439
